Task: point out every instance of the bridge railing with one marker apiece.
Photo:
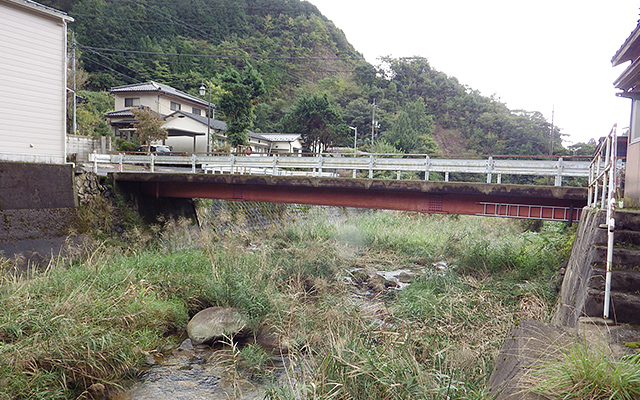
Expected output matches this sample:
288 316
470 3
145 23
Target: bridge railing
328 165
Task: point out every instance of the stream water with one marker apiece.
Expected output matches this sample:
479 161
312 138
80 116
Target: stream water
203 372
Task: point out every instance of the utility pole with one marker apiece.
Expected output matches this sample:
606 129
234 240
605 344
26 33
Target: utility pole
553 110
75 99
373 121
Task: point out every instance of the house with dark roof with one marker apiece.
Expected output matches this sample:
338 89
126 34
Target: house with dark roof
186 120
629 84
185 115
33 73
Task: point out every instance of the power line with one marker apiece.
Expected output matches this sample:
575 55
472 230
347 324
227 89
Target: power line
231 57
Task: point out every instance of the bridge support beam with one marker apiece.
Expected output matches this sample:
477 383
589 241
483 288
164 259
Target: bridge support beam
422 196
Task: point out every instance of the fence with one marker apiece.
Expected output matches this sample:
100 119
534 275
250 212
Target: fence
322 165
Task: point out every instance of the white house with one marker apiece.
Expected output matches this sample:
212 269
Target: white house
185 115
33 82
186 120
275 142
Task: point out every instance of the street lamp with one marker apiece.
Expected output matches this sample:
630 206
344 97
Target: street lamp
204 89
355 145
355 140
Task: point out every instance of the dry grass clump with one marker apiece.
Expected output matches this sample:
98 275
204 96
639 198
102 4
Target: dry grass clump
588 372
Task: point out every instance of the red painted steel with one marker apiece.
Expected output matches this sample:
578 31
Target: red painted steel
429 197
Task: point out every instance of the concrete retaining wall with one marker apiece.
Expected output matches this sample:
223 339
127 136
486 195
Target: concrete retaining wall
37 201
575 285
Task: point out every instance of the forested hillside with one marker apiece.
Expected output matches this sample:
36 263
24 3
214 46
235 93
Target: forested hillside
308 68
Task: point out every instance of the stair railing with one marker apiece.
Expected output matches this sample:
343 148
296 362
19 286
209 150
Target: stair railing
602 175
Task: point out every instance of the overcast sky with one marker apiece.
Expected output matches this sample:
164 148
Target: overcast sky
534 55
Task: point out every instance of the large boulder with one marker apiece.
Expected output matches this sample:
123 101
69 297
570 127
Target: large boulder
215 322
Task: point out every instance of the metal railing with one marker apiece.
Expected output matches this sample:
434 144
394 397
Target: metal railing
327 165
602 191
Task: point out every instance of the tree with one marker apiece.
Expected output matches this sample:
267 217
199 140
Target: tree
412 130
317 119
148 126
242 90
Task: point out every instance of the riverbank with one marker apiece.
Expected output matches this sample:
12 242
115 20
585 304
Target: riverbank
96 316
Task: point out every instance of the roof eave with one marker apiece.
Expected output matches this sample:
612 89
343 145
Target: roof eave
629 49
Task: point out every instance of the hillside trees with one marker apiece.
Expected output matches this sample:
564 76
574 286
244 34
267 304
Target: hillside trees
242 90
412 130
295 49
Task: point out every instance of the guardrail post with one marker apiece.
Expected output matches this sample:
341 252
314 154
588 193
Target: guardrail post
275 162
371 166
193 163
499 179
559 172
120 168
320 165
95 163
397 175
446 176
153 162
427 165
489 169
232 164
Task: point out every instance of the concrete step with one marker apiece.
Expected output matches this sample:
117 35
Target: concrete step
622 238
627 220
621 281
623 258
625 307
627 238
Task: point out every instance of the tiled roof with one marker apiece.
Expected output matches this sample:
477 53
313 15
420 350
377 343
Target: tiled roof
276 137
155 87
127 113
213 123
119 113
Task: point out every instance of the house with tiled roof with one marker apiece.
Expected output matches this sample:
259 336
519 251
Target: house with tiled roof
186 120
185 115
33 76
629 84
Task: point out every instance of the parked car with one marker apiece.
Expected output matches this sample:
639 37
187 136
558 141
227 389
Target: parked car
158 149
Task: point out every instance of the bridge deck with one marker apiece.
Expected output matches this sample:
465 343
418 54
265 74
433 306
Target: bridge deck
553 202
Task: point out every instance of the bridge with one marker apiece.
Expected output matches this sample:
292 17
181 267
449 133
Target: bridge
333 180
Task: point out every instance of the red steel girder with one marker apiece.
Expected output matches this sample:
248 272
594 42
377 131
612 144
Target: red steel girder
423 196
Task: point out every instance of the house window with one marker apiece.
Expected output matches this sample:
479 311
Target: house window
196 111
132 101
175 106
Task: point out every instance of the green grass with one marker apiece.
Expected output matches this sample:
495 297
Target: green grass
587 372
95 317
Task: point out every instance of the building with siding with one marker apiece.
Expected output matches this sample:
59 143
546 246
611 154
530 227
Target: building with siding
185 120
33 81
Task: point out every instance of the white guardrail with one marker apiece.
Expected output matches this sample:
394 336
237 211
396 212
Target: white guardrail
327 166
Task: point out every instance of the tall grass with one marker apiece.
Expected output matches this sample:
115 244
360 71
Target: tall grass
588 372
95 319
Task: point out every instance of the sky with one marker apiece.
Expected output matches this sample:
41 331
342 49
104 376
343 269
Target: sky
551 56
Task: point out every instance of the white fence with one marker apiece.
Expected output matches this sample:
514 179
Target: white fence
321 165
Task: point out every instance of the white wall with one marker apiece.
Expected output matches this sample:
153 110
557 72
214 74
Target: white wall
32 85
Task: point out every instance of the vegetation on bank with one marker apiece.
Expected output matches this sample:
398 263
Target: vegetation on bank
94 317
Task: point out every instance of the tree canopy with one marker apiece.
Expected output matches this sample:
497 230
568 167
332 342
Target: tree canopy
241 92
317 119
